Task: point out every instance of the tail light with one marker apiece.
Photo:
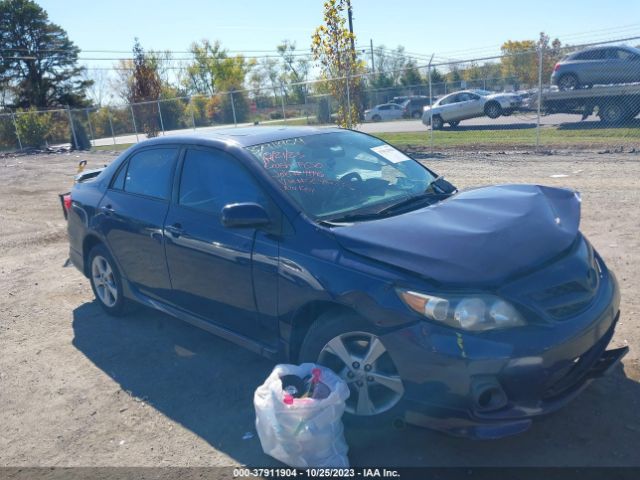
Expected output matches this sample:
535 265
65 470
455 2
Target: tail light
66 200
557 66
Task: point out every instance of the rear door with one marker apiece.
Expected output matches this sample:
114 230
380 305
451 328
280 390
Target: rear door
212 267
132 214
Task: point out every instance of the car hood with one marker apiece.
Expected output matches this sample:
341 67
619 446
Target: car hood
478 237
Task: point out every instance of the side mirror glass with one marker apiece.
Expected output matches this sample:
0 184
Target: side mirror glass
244 215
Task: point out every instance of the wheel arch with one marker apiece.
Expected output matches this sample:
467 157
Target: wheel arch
304 317
90 241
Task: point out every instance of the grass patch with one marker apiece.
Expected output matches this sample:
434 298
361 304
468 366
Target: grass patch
549 136
117 148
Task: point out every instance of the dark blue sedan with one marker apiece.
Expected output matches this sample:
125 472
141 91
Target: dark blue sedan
470 312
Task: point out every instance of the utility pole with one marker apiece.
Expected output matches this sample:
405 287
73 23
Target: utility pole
373 63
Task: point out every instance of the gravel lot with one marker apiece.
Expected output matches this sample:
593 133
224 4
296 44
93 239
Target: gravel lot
78 388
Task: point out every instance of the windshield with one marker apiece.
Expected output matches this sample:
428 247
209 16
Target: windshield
338 173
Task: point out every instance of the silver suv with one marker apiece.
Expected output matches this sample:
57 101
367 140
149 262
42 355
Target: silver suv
599 65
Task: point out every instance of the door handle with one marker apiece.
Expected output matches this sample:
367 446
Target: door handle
175 229
107 209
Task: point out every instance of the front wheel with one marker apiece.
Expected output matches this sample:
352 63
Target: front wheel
454 123
376 118
105 281
351 348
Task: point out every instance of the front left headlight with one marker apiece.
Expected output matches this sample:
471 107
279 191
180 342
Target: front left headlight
468 312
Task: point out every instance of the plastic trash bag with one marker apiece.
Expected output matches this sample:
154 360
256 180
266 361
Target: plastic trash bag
307 432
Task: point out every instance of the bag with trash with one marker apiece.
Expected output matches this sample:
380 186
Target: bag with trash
299 416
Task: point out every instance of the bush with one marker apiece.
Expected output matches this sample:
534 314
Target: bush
33 128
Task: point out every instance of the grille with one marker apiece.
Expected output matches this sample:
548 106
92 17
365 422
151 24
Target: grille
574 294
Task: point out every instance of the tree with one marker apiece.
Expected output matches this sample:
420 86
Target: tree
294 70
520 60
212 72
145 87
340 67
38 62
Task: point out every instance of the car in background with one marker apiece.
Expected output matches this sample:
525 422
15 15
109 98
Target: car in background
478 309
414 106
458 106
598 65
385 111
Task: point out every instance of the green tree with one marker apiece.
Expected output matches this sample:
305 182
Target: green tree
520 60
340 67
33 127
294 70
38 62
212 72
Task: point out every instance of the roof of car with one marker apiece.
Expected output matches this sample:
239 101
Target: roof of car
243 136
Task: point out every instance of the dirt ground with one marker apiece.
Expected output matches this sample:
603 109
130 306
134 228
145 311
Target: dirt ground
78 388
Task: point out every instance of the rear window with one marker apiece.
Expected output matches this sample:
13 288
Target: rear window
149 172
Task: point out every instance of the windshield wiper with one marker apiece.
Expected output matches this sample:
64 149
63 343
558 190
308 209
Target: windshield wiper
351 217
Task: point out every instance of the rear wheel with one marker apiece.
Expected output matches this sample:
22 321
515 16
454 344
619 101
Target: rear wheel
436 122
493 109
613 112
105 281
351 348
376 118
416 114
568 81
454 123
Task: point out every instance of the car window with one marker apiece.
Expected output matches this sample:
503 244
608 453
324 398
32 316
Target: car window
149 172
464 97
591 55
622 54
473 96
448 100
118 181
384 107
212 179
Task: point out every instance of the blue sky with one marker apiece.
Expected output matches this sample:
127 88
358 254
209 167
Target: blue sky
462 29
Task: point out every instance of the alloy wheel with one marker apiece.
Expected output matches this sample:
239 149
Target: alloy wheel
363 362
104 281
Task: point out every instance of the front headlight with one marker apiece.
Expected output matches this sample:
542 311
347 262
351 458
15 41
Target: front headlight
468 312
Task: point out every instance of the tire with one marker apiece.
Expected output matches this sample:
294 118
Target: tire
612 113
493 110
454 123
343 342
416 115
376 118
568 81
437 123
106 282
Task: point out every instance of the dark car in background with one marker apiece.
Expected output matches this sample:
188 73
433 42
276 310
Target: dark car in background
412 105
597 65
471 312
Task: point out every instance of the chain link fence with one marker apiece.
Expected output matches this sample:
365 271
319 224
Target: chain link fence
578 97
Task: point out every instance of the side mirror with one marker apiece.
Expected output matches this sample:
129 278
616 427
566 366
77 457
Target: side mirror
244 215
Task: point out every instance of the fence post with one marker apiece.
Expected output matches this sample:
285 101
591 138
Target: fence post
133 117
73 128
233 109
540 58
90 127
111 125
348 99
15 126
284 113
431 106
160 114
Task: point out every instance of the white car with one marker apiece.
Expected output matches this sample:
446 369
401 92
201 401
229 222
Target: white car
466 104
386 111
